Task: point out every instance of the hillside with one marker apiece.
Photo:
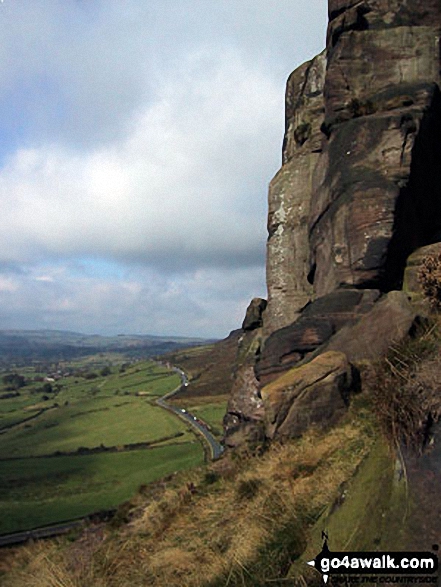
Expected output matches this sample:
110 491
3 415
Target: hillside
209 367
26 346
82 440
333 423
256 516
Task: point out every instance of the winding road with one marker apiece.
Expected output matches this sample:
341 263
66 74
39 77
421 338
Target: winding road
216 449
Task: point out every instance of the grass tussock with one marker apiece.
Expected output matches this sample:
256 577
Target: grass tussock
405 390
242 522
429 277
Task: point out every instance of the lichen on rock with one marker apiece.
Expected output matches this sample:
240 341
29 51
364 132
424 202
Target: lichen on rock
315 394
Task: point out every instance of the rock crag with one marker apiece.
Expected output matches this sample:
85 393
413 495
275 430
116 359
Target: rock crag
359 191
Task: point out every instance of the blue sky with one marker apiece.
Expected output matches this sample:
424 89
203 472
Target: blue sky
137 141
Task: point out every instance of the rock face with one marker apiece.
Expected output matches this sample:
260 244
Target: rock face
314 394
243 421
359 191
253 318
376 196
360 187
289 202
389 321
319 321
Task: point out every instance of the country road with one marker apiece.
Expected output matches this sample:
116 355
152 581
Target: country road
216 449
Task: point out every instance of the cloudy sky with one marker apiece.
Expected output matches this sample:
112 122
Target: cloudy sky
137 140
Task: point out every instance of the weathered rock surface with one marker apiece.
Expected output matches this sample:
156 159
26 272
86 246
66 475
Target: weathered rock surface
359 190
243 421
317 323
253 317
313 394
289 202
368 184
389 321
377 179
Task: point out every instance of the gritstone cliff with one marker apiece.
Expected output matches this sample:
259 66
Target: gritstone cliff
359 191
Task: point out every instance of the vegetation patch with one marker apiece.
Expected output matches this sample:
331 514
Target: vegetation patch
195 532
35 492
429 276
404 390
208 367
82 447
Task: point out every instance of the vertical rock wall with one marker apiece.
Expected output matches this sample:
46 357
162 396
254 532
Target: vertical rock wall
359 188
382 85
360 184
290 196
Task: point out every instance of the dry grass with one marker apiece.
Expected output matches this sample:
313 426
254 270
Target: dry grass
208 367
243 523
429 276
405 389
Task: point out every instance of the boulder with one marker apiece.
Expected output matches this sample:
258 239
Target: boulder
389 321
243 421
316 393
316 324
253 317
241 431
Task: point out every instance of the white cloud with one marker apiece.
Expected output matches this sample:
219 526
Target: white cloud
186 185
7 284
207 302
141 135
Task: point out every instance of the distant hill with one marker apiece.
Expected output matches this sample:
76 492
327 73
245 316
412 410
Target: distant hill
28 345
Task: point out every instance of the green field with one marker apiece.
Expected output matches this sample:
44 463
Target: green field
95 419
212 414
36 492
91 423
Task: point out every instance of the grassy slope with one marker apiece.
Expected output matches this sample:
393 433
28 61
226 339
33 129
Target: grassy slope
38 491
209 367
91 423
246 521
104 411
145 376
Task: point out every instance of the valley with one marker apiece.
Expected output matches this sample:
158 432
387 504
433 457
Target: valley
80 437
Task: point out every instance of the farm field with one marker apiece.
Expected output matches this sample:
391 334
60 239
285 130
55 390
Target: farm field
37 492
84 438
211 412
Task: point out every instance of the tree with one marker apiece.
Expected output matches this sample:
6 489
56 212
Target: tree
14 381
47 388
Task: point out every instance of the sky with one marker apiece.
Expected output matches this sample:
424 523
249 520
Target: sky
137 141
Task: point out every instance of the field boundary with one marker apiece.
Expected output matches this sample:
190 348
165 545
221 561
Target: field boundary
84 451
